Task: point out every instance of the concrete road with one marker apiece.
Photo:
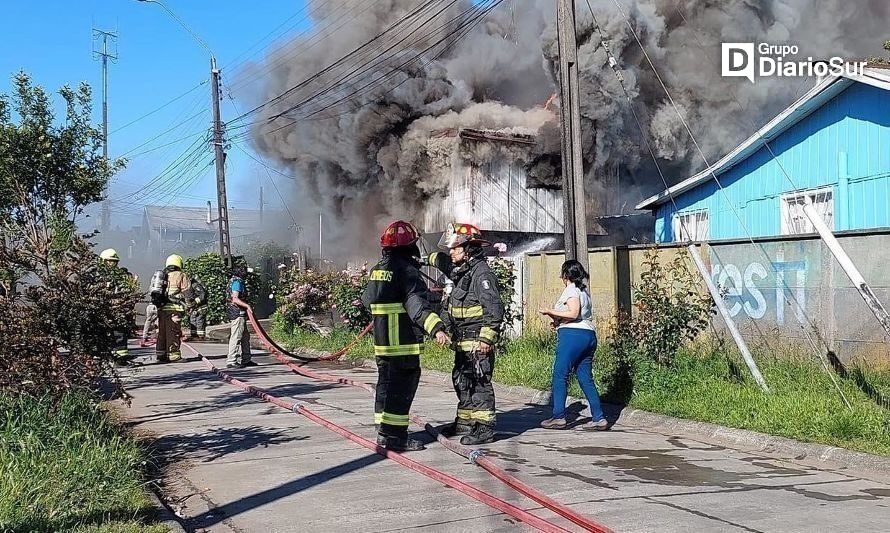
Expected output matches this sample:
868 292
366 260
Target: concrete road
235 463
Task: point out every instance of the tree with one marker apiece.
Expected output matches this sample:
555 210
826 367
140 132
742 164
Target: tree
882 60
58 300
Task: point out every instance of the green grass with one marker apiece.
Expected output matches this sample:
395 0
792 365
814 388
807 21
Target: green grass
703 384
66 466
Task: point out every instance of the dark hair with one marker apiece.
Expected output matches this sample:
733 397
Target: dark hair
574 272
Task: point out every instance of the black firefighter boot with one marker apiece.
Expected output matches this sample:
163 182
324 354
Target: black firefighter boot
481 434
457 428
399 444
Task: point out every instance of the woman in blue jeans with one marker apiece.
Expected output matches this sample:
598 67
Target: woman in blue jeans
576 343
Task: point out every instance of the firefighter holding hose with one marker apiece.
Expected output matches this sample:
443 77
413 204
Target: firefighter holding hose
474 312
396 296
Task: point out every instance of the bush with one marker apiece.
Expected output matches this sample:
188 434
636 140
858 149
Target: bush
504 271
59 334
303 293
669 310
210 269
346 295
59 307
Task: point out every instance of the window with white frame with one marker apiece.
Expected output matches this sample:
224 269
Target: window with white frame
795 221
692 226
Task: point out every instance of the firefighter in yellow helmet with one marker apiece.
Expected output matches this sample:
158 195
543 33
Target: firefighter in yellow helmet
120 280
171 309
473 311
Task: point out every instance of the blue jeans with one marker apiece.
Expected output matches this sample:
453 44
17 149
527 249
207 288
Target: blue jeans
574 353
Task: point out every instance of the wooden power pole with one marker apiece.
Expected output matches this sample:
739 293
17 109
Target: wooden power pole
225 247
572 163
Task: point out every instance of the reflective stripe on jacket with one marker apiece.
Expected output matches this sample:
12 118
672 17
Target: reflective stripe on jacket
177 286
396 296
474 307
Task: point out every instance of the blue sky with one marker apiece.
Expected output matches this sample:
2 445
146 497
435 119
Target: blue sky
158 61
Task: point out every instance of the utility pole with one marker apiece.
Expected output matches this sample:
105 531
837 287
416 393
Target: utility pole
105 55
225 249
320 245
262 204
572 163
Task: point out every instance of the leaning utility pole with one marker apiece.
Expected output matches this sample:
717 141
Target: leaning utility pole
225 249
572 163
105 219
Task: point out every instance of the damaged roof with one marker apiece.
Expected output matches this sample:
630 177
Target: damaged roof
475 134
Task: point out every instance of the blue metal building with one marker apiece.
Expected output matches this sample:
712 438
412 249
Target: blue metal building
832 145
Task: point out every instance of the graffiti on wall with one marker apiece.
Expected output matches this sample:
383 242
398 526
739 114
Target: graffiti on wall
763 291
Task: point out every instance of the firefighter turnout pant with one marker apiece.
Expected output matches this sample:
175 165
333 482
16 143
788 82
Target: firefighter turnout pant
475 393
169 333
121 351
397 380
198 323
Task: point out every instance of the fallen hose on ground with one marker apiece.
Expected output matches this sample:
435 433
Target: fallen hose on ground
436 475
274 347
474 455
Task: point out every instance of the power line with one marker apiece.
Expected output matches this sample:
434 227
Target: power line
191 118
613 61
461 31
338 62
155 110
470 18
317 38
271 180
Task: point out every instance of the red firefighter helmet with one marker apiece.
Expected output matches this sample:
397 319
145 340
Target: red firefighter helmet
399 233
458 234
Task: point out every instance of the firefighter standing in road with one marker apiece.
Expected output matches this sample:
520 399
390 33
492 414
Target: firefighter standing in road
171 311
121 280
397 299
197 309
474 313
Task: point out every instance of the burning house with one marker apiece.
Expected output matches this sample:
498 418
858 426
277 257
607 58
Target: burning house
492 189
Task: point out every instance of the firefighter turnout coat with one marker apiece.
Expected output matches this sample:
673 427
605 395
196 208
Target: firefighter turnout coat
473 310
397 299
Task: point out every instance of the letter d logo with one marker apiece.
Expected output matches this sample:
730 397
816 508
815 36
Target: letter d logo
738 60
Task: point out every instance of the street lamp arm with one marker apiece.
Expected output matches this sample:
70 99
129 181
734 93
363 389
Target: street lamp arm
183 24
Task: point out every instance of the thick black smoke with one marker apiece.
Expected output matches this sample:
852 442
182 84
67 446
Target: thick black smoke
358 151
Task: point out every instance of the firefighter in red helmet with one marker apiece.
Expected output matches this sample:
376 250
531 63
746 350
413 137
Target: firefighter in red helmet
396 296
473 311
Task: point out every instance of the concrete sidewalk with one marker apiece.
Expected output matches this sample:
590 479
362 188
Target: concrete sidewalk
235 463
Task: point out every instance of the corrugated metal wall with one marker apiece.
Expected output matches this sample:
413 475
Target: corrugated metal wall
845 145
494 197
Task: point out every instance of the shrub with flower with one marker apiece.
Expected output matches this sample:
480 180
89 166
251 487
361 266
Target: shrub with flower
302 294
504 271
347 294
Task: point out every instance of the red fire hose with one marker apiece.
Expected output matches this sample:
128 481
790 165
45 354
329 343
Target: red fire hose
436 475
273 346
476 456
